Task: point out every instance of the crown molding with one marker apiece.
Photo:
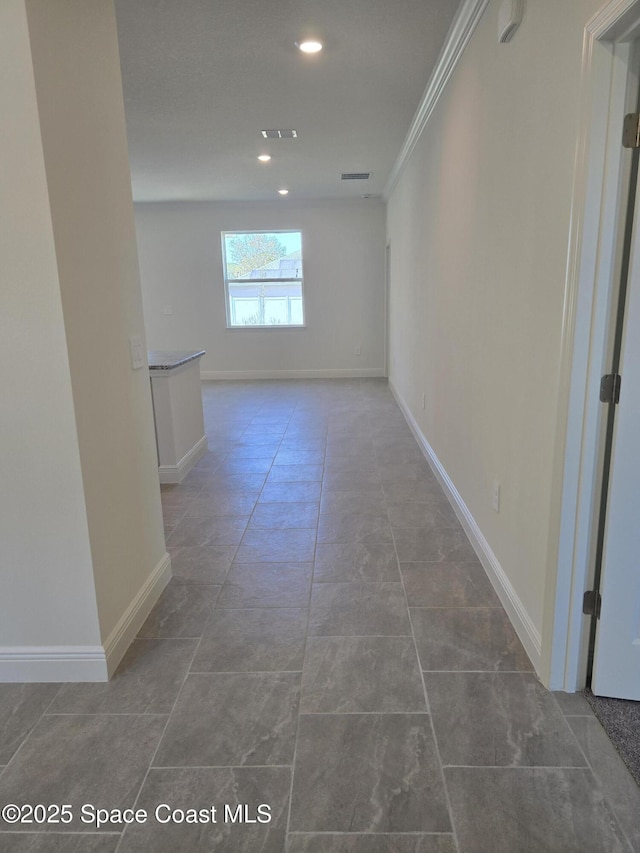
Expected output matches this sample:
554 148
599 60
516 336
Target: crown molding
462 29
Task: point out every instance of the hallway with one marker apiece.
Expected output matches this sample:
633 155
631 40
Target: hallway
329 647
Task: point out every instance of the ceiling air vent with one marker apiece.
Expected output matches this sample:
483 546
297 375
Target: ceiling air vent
279 134
356 176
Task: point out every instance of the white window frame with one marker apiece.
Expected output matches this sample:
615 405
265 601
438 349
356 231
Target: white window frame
252 283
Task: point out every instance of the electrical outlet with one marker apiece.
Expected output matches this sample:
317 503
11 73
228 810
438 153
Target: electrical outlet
168 309
357 350
495 497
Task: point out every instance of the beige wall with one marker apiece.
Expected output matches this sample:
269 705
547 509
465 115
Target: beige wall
46 585
478 225
77 70
343 248
80 520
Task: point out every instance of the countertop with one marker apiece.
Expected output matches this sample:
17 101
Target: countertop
168 359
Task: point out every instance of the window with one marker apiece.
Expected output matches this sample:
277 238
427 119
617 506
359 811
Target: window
263 278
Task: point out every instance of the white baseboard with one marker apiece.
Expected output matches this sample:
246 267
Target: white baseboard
85 663
363 373
133 618
516 611
177 473
52 663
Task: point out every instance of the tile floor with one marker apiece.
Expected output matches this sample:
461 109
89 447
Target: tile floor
330 647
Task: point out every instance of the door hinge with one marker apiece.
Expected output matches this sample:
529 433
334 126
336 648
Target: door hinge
631 131
610 388
592 603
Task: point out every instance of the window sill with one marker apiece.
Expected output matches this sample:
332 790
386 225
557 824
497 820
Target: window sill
252 328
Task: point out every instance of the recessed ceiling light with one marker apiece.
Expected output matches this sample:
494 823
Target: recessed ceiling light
309 46
283 192
264 158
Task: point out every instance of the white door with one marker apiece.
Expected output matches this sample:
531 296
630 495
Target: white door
616 670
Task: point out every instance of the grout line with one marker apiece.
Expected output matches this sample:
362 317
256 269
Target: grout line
160 739
443 780
304 655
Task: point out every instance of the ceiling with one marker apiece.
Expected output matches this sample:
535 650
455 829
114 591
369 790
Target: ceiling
202 78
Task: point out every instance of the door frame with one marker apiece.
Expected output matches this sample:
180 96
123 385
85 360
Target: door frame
590 280
387 307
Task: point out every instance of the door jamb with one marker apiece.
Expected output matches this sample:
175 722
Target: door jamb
591 260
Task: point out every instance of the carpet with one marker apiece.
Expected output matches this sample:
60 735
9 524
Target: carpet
620 719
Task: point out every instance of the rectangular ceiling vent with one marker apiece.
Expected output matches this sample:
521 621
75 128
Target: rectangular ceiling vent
356 176
279 134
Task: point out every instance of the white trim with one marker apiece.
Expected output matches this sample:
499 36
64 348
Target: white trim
85 663
462 28
134 616
516 611
591 256
52 663
177 473
363 373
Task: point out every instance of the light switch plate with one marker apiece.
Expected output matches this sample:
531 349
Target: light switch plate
137 352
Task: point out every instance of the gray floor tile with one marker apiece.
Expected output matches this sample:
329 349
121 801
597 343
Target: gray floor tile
621 790
573 704
253 450
408 472
171 516
179 497
201 563
277 546
317 443
295 474
210 460
357 464
244 482
531 809
431 545
268 639
335 527
368 778
299 492
78 759
200 788
299 842
407 492
232 720
436 512
356 561
352 674
58 843
351 481
358 609
267 585
21 706
500 719
265 429
216 530
367 773
474 638
360 503
299 457
366 843
255 445
181 611
448 585
248 464
284 516
146 682
406 454
223 503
